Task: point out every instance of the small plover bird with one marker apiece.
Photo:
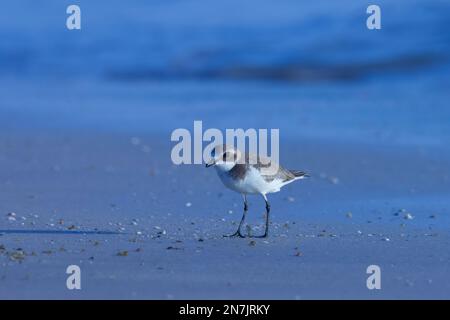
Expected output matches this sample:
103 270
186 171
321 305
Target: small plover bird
247 177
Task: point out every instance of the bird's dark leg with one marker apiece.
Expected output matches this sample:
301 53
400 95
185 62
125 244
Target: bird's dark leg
266 232
238 231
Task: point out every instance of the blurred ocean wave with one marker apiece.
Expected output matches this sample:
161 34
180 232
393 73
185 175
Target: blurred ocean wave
199 39
294 72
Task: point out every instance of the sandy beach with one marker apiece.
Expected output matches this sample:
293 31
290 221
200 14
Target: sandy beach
141 228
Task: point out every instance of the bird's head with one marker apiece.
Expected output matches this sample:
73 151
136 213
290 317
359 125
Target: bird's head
224 157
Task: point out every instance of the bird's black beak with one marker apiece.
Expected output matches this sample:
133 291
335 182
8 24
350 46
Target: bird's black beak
210 163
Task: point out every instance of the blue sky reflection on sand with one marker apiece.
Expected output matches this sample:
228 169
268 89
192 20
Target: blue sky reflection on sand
365 113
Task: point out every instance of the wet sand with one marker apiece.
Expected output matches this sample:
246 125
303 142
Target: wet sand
140 227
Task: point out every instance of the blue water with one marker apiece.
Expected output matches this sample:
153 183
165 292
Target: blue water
312 68
192 38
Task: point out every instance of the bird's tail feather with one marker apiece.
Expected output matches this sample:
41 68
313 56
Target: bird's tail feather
299 174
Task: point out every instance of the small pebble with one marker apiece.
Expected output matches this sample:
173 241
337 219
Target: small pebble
334 180
135 141
146 149
408 216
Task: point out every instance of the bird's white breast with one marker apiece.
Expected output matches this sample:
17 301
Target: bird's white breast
252 182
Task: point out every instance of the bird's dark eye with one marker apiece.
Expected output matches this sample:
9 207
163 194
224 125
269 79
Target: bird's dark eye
227 156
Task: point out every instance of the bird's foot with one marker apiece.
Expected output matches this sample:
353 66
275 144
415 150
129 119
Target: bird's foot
236 234
265 235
